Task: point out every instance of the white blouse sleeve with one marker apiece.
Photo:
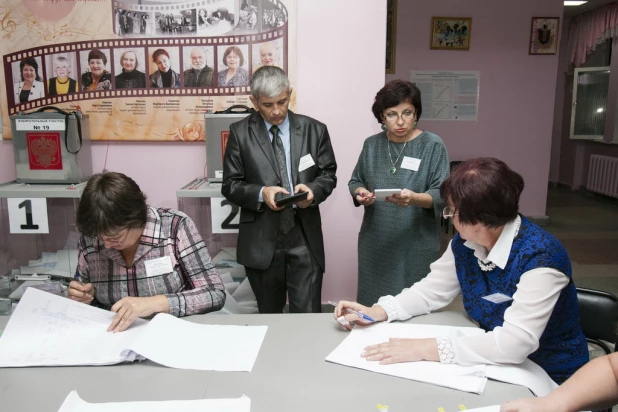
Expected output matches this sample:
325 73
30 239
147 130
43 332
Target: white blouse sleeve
435 291
524 322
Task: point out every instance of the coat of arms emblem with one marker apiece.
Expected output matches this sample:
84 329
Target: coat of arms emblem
44 151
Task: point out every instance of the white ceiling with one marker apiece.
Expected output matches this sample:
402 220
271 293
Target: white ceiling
571 11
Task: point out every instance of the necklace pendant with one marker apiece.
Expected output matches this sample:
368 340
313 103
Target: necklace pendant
392 170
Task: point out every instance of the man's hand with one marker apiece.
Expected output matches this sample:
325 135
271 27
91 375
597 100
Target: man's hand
309 200
268 196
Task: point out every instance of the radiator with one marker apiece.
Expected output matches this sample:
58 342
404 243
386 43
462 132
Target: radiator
603 175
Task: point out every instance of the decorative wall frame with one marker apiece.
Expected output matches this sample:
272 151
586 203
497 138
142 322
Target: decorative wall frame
450 33
544 35
391 35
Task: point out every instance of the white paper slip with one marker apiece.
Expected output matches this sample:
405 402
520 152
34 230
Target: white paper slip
465 378
73 403
305 162
493 408
382 194
50 330
410 163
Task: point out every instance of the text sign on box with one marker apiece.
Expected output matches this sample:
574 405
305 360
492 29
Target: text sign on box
39 125
225 216
28 215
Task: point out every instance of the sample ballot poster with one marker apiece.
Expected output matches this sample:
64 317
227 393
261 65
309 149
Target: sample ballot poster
141 69
448 95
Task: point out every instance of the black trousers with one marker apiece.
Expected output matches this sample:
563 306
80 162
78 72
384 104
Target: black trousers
293 270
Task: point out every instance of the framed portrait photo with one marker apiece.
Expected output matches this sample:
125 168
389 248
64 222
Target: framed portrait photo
391 34
450 33
544 35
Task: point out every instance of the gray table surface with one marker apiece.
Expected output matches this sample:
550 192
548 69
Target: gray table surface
290 374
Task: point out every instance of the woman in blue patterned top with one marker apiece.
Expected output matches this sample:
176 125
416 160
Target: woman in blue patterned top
515 279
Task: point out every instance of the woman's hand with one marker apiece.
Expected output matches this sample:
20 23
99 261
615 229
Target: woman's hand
364 196
530 405
130 308
398 350
404 199
81 292
342 315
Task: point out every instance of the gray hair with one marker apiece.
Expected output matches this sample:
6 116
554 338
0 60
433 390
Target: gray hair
269 81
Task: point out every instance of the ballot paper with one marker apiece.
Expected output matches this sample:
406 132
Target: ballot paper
50 330
73 403
465 378
62 263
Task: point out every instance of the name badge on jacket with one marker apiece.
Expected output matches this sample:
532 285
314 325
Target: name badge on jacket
305 162
159 266
410 163
497 298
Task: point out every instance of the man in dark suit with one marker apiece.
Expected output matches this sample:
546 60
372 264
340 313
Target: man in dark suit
275 151
199 75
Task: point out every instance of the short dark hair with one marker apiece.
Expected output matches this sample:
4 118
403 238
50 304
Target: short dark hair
30 61
97 54
158 53
483 190
236 51
111 201
394 93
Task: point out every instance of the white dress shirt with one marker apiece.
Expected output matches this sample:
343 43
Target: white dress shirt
537 292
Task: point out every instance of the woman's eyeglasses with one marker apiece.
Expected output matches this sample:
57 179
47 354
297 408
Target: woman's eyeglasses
392 117
115 240
448 212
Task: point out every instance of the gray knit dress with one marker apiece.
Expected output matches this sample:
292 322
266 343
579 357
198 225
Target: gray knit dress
397 244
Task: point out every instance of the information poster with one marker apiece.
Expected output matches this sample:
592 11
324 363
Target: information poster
448 95
141 69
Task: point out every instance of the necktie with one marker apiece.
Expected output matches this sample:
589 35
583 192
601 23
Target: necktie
287 215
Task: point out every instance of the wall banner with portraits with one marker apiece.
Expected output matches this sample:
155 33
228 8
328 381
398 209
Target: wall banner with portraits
145 70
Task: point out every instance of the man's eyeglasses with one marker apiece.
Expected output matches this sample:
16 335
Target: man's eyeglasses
448 212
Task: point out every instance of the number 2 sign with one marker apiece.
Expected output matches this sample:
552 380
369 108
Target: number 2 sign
28 215
225 215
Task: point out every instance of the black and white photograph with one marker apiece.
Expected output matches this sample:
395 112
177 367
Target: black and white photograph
248 21
176 23
215 19
129 23
272 16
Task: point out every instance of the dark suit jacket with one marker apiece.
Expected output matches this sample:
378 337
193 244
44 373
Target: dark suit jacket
205 79
250 164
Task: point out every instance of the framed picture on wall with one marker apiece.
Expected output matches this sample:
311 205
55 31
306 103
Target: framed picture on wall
450 33
544 35
391 34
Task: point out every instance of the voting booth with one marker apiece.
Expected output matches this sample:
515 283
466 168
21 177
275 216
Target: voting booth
51 147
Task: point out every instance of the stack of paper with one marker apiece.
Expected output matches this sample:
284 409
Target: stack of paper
239 297
469 379
225 261
73 403
62 263
50 330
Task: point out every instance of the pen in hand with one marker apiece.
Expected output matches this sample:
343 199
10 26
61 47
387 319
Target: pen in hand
360 315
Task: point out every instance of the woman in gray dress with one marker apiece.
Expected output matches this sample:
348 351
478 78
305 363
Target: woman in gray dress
399 237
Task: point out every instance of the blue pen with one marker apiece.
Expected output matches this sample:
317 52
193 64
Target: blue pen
78 278
360 315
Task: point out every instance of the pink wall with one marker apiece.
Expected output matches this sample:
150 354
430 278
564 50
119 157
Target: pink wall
340 60
516 90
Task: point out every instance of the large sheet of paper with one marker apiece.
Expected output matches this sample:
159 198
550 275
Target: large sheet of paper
50 330
468 379
73 403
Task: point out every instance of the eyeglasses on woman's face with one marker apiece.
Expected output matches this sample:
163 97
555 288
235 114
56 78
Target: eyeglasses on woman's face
392 116
449 212
117 239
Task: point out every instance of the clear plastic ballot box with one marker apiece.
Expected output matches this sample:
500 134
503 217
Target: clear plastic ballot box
38 238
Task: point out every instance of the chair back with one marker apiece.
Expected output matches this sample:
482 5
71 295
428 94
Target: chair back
598 312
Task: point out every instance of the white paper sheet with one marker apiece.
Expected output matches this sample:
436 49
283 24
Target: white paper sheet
216 347
73 403
528 374
493 408
50 330
469 379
